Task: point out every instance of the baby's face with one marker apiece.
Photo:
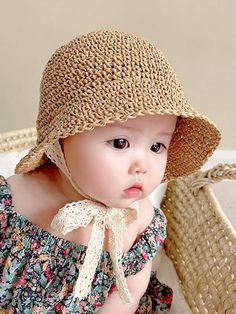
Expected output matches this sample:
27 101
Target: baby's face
121 162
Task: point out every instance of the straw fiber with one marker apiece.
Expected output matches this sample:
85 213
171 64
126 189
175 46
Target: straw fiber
110 76
201 241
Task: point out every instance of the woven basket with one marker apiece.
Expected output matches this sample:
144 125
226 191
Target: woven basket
17 140
200 240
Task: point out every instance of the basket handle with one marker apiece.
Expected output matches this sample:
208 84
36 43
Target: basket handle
215 174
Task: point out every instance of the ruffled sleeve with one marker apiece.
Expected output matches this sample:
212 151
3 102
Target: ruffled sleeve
146 247
5 204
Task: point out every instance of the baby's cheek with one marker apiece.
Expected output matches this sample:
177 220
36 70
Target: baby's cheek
156 178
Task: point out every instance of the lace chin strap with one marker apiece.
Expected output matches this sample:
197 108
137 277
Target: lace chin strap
56 155
80 214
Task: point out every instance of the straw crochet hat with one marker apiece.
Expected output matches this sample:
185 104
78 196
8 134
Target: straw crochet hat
108 76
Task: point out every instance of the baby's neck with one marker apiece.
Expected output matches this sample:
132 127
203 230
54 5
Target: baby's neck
67 189
61 182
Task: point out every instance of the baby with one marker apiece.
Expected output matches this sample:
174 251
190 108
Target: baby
78 232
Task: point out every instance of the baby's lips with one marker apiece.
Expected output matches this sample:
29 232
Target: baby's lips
136 185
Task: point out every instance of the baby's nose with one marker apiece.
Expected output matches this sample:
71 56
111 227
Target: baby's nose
138 167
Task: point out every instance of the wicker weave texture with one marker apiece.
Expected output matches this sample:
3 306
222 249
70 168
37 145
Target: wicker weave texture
17 140
201 242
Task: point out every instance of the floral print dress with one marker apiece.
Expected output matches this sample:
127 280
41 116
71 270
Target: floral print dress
38 269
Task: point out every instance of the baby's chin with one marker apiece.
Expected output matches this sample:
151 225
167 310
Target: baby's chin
119 201
127 203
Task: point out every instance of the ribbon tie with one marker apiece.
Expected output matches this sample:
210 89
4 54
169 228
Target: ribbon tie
80 214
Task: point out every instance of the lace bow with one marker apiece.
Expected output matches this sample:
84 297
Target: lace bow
80 214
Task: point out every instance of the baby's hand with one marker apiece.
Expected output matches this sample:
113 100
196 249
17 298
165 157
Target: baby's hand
137 285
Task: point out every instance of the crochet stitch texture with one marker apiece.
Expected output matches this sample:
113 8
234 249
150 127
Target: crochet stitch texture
108 76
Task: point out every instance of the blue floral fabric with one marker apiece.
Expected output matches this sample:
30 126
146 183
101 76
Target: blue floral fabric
38 270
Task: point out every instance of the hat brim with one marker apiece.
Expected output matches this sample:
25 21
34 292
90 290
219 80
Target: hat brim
193 142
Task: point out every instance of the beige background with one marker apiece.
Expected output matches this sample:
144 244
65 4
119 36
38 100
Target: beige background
197 37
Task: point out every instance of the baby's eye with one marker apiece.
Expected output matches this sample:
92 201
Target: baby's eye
157 147
119 143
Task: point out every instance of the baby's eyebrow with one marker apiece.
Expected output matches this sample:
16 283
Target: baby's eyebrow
165 133
121 127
